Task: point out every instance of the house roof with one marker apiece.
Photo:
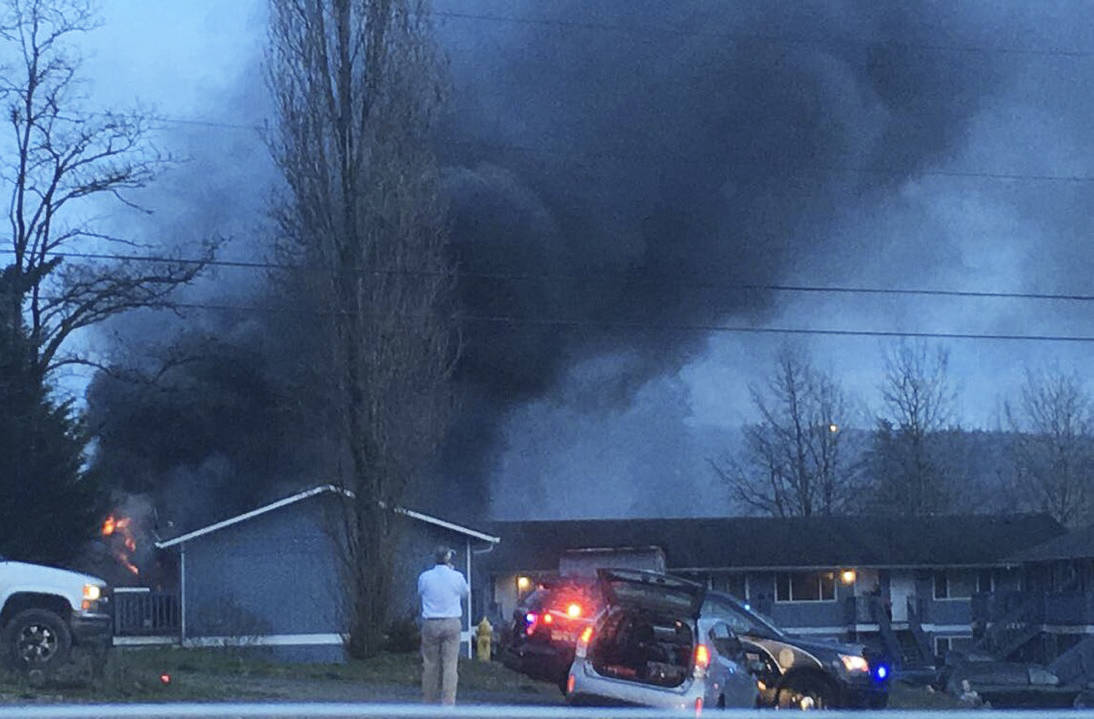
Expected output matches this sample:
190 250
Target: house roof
209 529
1078 544
794 542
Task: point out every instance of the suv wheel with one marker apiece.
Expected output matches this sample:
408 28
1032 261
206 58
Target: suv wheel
36 640
805 693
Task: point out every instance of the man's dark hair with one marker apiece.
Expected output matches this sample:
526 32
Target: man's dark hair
443 555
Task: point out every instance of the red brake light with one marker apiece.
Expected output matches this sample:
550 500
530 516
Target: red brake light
548 618
573 610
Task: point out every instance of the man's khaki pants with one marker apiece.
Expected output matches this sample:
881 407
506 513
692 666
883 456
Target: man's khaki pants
440 652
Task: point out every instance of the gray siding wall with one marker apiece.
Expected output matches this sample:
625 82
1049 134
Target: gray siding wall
279 574
274 574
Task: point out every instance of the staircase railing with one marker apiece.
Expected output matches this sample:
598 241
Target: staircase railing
879 614
1005 635
916 614
1076 664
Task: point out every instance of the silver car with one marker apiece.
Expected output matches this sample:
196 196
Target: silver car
652 646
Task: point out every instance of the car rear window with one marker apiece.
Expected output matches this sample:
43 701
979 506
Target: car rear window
654 596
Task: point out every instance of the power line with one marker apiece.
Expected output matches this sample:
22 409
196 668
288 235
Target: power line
645 155
702 284
745 329
759 39
666 327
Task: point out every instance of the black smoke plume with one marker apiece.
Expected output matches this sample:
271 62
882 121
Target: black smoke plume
619 167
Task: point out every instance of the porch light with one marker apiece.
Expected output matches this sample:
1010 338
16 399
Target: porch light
523 583
847 576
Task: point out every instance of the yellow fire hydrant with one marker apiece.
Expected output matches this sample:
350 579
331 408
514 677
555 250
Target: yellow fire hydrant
484 636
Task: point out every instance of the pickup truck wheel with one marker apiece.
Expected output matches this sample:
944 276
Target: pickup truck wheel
37 640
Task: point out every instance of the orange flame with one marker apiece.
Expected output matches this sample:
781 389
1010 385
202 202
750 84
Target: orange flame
120 526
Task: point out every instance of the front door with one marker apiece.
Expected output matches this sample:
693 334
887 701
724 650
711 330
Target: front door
901 588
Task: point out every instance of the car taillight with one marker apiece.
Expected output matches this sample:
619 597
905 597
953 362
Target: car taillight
573 610
583 640
548 618
702 660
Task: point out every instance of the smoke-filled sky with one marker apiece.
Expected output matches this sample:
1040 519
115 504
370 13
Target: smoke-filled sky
623 164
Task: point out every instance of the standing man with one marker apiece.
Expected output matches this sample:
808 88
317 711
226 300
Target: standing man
441 590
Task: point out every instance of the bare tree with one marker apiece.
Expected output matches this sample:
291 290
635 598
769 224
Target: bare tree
62 162
1052 444
919 400
357 92
793 464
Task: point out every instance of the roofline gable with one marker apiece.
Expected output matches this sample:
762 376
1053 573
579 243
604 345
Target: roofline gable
321 489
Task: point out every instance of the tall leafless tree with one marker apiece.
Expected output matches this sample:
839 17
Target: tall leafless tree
909 473
793 463
357 91
1052 444
60 164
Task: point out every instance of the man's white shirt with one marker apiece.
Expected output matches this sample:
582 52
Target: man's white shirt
441 589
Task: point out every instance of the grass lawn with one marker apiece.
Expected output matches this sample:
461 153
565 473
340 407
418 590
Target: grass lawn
134 674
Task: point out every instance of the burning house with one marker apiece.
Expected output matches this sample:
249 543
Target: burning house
230 574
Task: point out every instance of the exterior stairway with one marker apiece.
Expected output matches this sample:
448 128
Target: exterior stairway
908 651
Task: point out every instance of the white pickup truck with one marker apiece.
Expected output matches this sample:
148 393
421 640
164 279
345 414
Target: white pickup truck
45 611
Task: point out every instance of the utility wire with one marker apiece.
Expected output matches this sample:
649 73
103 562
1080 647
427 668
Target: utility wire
645 156
663 327
458 274
779 330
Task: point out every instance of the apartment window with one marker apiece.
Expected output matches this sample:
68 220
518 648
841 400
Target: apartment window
941 646
984 581
953 584
805 587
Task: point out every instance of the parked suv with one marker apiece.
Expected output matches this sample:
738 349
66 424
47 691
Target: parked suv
44 611
795 672
540 639
788 671
654 645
